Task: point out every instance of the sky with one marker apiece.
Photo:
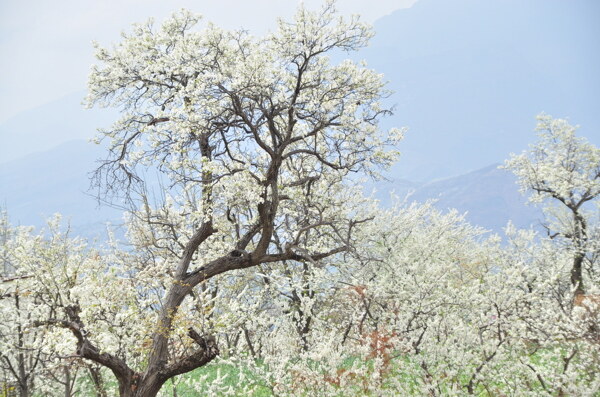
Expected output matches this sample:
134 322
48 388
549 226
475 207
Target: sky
46 45
468 77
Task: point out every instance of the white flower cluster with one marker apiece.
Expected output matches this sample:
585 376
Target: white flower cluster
255 260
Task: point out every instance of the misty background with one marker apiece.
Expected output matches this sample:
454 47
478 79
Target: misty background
469 78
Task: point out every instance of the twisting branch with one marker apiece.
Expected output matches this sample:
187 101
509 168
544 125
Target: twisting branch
85 348
207 351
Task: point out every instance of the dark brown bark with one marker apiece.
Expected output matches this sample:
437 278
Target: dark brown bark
150 383
86 349
22 374
249 343
579 237
23 378
577 273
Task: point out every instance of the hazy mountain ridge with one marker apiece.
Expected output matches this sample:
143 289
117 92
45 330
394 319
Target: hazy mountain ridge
39 185
45 127
489 196
35 187
469 77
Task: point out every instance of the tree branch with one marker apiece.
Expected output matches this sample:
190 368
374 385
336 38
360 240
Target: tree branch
207 352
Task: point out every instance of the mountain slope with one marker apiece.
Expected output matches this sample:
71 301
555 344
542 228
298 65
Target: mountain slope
39 185
469 77
44 127
489 196
36 186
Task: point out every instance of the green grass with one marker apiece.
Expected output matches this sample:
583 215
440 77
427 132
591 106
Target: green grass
403 369
210 373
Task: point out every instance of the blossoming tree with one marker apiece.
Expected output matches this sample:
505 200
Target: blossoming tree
246 133
41 274
252 247
564 169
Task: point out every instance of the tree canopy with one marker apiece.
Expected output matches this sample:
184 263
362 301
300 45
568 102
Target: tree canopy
255 260
253 137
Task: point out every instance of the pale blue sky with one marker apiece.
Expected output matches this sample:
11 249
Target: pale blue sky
469 76
46 45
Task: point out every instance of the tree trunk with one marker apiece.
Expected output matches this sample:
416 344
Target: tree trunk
577 273
135 387
23 389
23 379
67 381
98 381
174 386
579 236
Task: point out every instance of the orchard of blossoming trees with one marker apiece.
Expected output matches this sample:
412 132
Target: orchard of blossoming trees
261 269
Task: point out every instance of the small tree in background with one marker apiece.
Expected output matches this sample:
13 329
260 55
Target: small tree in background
562 171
